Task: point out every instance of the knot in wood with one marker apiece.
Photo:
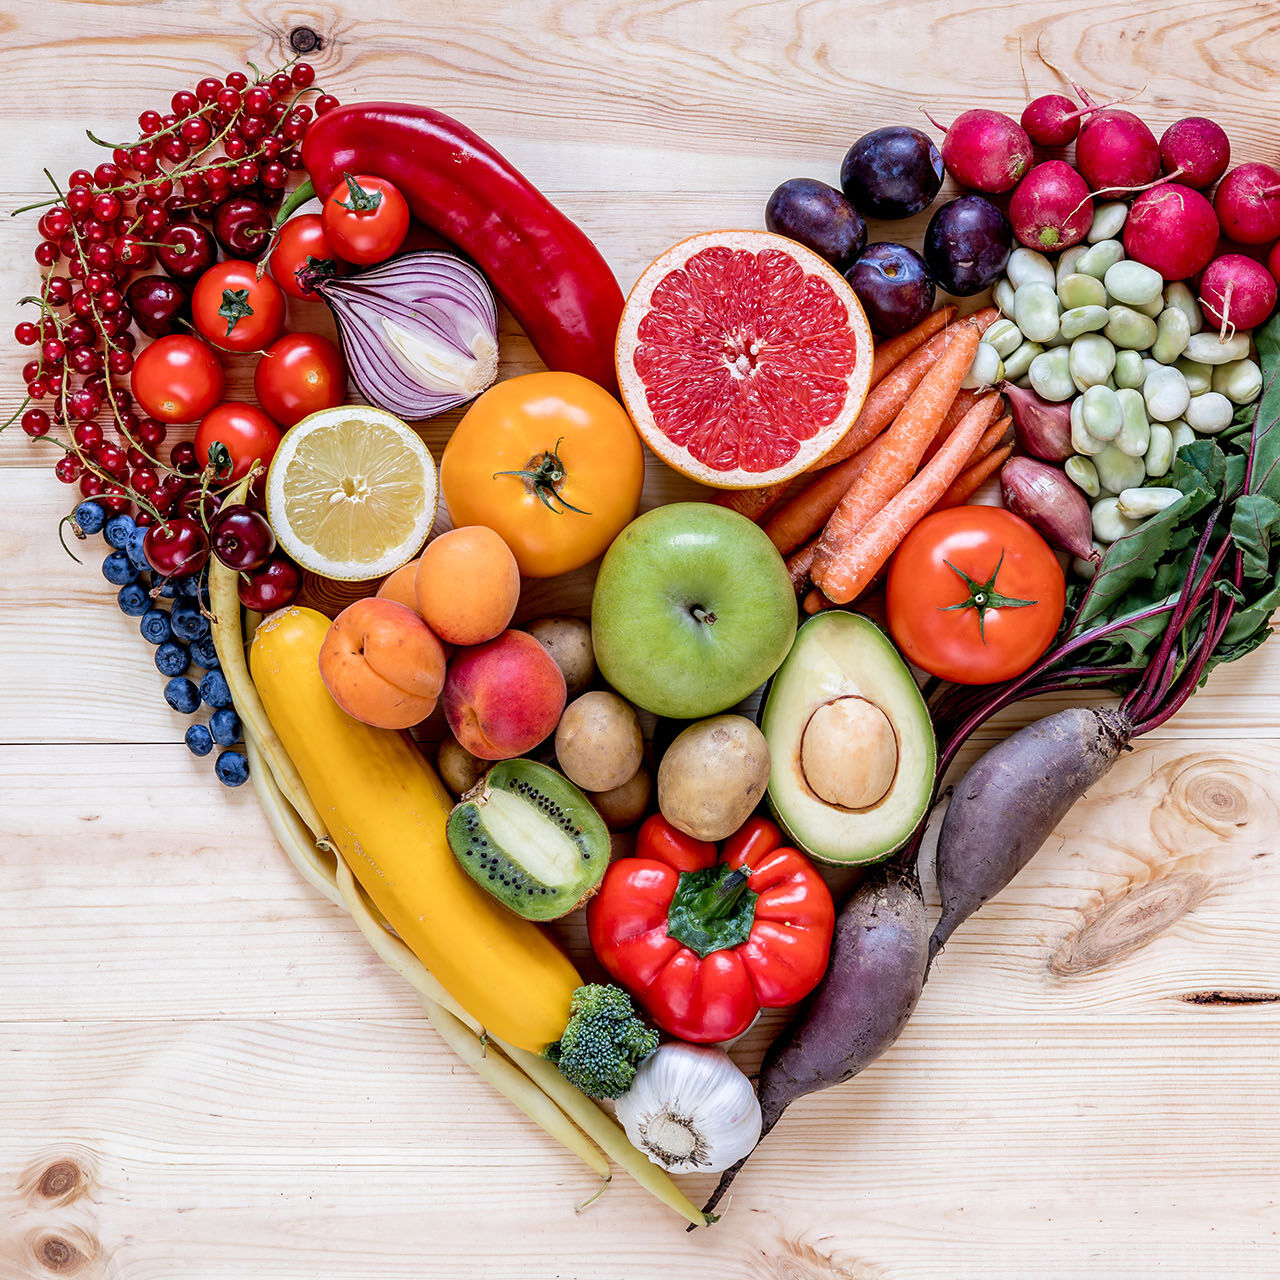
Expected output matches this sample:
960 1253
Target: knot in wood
59 1256
1214 798
305 40
60 1179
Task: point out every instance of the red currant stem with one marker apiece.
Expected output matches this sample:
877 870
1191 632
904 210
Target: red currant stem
159 133
17 413
76 531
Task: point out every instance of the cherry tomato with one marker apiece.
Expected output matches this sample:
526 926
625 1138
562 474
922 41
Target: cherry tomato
365 219
975 595
245 431
551 462
235 309
299 374
302 244
177 379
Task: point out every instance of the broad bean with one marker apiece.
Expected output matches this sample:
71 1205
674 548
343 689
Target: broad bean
1081 441
1210 413
1208 348
1173 331
1138 504
1050 374
1135 432
1035 311
1198 376
1117 470
1133 283
1182 434
1108 523
1083 474
1016 365
1159 457
1130 329
1026 265
1129 371
986 370
1101 412
1003 296
1067 260
1092 361
1166 393
1179 296
1240 381
1080 320
1108 220
1079 290
1005 336
1100 258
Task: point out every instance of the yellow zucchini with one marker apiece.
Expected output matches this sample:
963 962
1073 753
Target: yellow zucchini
385 810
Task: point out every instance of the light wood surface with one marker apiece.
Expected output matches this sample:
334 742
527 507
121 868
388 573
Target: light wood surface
204 1072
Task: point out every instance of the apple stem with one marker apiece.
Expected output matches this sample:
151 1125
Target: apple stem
703 615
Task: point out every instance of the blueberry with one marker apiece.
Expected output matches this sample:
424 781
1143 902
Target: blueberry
155 626
198 740
133 549
187 621
133 600
203 654
182 695
189 586
172 659
170 588
90 517
224 724
117 569
214 689
232 768
117 530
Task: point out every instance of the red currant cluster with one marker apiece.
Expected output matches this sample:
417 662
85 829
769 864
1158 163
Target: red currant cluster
223 154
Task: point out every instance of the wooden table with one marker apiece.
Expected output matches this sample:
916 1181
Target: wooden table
204 1072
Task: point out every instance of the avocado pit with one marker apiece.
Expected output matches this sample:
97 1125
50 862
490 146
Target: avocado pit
849 752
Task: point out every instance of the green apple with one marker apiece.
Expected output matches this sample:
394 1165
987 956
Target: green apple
693 610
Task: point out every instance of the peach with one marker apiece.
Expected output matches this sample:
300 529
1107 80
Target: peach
467 585
382 664
398 586
503 697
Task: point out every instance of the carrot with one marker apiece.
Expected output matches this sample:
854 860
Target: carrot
993 436
755 504
972 478
896 460
862 556
799 564
799 518
964 401
895 350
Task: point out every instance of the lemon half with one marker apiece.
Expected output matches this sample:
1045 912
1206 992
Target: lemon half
351 493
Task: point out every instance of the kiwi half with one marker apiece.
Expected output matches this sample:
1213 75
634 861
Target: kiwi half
531 838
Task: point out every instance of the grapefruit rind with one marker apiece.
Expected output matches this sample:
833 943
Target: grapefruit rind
748 437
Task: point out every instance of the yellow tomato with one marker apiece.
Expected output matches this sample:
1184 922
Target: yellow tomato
552 463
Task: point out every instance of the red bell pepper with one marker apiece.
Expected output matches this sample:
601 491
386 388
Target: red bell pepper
542 265
705 944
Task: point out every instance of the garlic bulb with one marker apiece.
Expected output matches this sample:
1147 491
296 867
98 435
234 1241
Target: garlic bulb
690 1109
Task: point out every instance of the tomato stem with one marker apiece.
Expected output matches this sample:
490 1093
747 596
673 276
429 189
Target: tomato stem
543 475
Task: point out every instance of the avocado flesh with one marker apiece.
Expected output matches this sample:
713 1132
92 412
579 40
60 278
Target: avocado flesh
836 655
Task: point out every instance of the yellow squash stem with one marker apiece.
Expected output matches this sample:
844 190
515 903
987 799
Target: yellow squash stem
228 641
336 883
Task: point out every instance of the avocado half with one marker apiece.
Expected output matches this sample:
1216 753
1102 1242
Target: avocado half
852 744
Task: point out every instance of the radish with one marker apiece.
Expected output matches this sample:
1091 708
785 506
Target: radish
1273 261
1195 150
1237 292
1051 120
1116 150
1171 229
1248 204
985 150
1051 207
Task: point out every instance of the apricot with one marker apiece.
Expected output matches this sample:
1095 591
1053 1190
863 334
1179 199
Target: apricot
382 664
467 585
503 697
399 586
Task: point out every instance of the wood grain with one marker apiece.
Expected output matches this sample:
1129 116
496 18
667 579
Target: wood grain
203 1071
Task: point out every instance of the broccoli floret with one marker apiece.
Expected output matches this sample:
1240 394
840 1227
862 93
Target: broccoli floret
603 1043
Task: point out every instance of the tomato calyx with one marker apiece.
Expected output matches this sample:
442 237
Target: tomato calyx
983 596
543 476
235 307
358 199
314 272
712 909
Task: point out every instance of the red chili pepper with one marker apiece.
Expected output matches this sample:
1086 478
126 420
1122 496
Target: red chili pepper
705 944
542 265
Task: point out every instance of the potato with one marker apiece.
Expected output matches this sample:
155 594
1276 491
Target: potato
712 777
568 641
624 806
598 741
459 769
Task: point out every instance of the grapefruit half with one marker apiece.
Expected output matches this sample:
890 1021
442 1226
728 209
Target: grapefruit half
743 357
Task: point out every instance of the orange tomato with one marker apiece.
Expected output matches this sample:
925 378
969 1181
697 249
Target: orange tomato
551 462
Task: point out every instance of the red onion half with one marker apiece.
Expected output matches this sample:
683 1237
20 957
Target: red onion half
419 333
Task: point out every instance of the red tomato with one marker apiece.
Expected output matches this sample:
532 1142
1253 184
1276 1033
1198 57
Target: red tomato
235 309
245 430
365 219
975 595
301 373
177 378
301 238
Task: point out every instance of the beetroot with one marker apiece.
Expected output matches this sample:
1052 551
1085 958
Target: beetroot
1116 150
1051 208
1051 120
1171 229
986 150
1248 204
1237 291
1196 151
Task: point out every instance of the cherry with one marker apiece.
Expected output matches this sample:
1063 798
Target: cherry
242 539
271 587
182 458
157 305
177 548
187 250
243 224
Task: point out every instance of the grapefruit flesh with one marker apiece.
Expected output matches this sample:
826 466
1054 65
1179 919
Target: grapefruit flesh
743 357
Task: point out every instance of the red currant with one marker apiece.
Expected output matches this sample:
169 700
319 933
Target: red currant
228 99
80 178
280 84
68 469
208 89
83 404
253 128
88 435
149 122
31 371
114 498
37 389
106 208
121 157
303 74
143 158
26 334
53 350
91 485
325 103
55 223
195 132
144 480
143 519
35 422
246 174
58 291
237 80
107 175
46 253
293 160
184 102
174 149
151 433
274 174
